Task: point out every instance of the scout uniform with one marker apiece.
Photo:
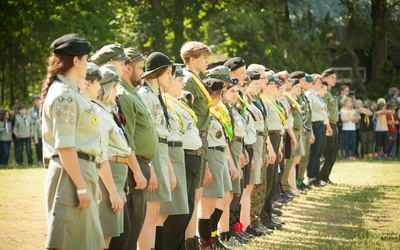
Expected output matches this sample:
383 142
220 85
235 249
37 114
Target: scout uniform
70 120
319 118
116 151
218 163
150 95
249 140
5 141
23 128
179 202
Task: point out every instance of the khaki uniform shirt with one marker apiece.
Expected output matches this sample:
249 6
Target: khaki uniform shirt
199 106
251 136
288 110
332 106
259 123
317 106
175 126
139 128
191 139
37 130
112 137
240 127
150 95
5 131
23 126
69 120
216 136
273 119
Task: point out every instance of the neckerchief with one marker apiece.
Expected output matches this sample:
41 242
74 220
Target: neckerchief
202 88
169 106
182 105
272 103
220 113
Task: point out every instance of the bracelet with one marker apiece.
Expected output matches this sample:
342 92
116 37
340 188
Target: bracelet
81 191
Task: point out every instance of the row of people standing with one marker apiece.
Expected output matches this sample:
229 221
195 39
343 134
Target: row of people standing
19 130
108 121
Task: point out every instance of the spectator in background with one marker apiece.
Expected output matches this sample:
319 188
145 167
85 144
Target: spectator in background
366 129
342 95
15 111
37 130
381 128
357 104
23 133
393 92
349 117
5 137
393 123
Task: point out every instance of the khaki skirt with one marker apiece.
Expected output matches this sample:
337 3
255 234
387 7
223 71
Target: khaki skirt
69 227
163 191
112 223
236 151
179 202
255 173
300 138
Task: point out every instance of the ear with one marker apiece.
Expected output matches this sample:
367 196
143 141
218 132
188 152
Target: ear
75 60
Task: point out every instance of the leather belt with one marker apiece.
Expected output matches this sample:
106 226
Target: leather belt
333 122
260 133
162 140
118 159
222 149
204 133
143 159
248 146
276 131
175 144
192 152
82 156
239 139
318 122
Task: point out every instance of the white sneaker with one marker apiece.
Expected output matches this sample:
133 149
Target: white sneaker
323 183
233 242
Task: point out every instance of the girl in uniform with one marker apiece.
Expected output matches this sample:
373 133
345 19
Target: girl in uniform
5 137
174 213
71 145
158 75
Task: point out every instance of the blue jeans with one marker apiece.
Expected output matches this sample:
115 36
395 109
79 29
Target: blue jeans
4 152
316 148
349 140
381 140
19 145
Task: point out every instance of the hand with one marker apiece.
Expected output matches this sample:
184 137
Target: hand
207 177
271 157
293 143
84 200
234 173
280 155
99 195
153 182
312 138
172 182
329 131
140 180
252 164
243 160
116 203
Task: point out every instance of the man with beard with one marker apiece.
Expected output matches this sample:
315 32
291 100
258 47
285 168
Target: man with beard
141 135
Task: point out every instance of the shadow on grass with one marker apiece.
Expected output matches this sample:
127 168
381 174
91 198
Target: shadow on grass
328 218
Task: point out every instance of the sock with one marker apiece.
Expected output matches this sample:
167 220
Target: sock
159 237
205 229
215 219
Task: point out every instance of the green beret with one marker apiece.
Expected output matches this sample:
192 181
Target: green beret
108 53
220 72
109 73
70 44
309 78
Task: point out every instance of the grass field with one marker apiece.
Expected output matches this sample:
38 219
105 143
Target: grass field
361 212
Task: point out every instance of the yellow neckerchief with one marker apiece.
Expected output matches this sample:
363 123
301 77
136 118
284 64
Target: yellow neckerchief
170 107
392 117
292 100
202 88
348 111
182 105
366 120
221 115
383 120
272 103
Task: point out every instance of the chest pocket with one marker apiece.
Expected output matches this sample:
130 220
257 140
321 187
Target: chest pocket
159 116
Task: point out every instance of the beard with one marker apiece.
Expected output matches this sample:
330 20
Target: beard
135 80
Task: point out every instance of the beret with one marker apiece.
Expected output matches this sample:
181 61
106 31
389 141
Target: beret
134 55
181 72
220 72
328 72
297 74
272 77
235 63
93 70
253 75
295 81
325 83
309 78
109 73
108 53
71 44
214 83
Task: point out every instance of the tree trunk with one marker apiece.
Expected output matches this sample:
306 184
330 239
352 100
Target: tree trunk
379 14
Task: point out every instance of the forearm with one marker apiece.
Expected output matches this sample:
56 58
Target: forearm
133 163
107 178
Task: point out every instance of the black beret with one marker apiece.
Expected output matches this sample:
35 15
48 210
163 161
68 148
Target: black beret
235 63
328 72
297 74
214 83
253 75
71 44
325 83
295 81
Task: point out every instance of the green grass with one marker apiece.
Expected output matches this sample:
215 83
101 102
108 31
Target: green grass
361 212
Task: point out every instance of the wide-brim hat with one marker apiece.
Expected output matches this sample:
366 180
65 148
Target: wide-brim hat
156 61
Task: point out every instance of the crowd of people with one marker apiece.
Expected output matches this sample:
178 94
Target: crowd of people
183 156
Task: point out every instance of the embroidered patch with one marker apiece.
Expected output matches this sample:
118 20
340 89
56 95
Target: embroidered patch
94 120
218 135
